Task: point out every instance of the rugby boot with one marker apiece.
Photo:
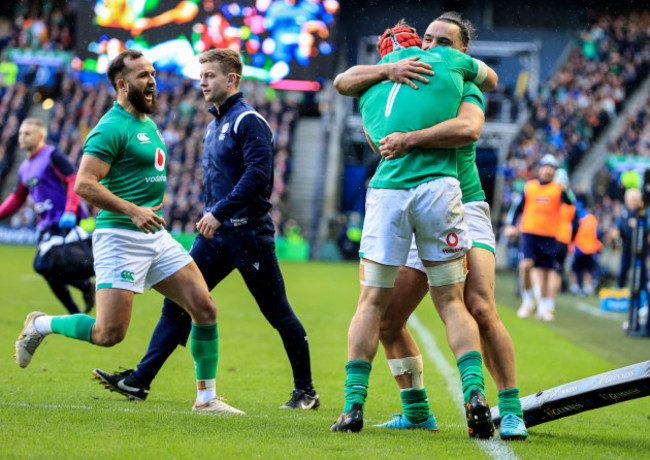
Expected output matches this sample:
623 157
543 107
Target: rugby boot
301 399
479 418
351 420
122 382
399 422
28 340
513 428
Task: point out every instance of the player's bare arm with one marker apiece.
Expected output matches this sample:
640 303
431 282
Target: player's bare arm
91 171
357 79
491 80
463 130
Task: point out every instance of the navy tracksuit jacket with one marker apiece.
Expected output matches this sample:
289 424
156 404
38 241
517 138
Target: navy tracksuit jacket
237 181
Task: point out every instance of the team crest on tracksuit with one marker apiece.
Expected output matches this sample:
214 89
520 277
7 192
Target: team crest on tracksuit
224 130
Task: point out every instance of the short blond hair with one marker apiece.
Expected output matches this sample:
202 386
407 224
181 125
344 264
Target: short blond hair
37 122
229 60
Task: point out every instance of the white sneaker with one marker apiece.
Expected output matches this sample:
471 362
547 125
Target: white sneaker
526 310
548 316
28 340
216 406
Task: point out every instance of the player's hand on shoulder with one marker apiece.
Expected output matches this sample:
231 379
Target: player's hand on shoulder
147 220
208 225
394 146
409 70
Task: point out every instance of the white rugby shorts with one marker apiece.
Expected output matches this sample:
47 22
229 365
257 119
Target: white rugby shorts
477 214
132 260
432 212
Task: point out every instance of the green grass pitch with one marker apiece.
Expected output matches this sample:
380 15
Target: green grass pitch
53 408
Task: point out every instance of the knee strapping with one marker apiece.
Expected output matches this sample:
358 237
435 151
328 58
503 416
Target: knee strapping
377 275
410 365
450 273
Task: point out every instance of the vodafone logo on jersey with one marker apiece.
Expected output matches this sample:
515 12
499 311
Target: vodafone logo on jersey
159 161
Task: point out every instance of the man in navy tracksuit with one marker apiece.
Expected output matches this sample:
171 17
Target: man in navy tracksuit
236 231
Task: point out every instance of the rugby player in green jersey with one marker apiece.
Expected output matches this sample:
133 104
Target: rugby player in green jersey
123 172
410 286
415 196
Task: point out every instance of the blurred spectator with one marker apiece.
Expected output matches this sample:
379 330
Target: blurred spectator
579 100
625 228
13 109
587 246
564 232
78 108
43 24
540 210
350 235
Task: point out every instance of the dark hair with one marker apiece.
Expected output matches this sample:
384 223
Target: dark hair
118 64
465 26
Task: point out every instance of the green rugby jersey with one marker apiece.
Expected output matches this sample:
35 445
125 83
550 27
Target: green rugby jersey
138 157
388 107
470 182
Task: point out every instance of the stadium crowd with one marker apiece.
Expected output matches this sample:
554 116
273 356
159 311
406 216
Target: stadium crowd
78 107
609 59
13 109
42 25
183 117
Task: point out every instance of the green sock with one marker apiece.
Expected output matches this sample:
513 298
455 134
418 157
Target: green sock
356 383
470 366
204 346
509 402
77 326
415 405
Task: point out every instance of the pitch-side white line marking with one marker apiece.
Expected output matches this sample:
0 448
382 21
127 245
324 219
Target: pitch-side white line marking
142 410
117 409
495 447
584 307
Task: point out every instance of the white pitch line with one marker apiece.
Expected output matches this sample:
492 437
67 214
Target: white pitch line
115 409
495 447
586 308
83 407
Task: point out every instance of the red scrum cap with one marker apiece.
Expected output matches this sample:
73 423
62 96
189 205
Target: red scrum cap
398 38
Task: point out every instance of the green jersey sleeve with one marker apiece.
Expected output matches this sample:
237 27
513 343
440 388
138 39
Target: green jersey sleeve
472 94
467 66
105 143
